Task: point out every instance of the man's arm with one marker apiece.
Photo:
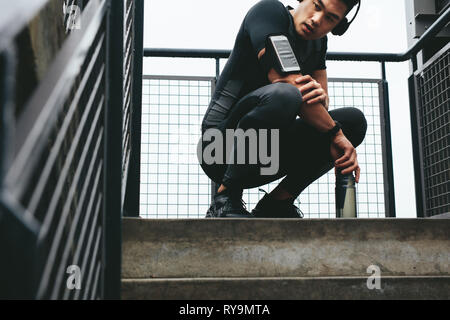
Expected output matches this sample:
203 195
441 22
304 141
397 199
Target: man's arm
321 77
316 114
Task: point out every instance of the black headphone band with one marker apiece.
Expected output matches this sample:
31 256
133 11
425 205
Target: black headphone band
357 10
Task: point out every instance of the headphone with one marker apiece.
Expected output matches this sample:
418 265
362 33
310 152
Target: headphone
343 26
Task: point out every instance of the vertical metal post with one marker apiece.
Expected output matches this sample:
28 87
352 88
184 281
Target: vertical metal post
414 62
132 196
217 68
383 71
7 83
420 207
386 133
112 216
215 186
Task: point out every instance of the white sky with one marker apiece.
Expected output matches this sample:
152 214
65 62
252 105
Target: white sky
379 27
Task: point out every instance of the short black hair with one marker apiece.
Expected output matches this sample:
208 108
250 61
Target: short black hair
349 3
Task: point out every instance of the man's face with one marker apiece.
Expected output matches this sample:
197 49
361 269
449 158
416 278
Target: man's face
315 18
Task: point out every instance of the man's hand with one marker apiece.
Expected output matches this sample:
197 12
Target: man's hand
344 155
275 77
312 90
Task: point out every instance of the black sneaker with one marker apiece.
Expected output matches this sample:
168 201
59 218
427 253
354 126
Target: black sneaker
228 205
269 207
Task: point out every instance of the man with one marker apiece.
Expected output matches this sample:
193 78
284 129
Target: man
253 93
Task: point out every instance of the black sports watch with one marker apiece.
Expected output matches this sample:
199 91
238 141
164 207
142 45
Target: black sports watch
331 133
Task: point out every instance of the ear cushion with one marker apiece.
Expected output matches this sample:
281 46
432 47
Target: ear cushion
341 28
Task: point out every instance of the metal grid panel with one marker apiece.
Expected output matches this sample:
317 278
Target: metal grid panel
56 177
173 185
72 196
434 119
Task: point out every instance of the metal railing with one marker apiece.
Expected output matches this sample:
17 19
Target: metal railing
61 195
173 185
430 118
70 143
410 54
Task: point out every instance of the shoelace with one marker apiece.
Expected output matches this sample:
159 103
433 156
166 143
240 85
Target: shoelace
240 202
297 209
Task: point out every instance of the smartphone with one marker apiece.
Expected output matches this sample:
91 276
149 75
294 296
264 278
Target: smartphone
286 58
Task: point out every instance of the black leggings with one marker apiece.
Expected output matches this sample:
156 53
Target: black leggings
304 152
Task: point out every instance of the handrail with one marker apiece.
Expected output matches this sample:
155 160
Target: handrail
16 15
437 26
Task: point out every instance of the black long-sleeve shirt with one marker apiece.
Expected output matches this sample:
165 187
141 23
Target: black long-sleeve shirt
244 72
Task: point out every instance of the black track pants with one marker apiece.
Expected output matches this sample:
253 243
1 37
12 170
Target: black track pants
304 152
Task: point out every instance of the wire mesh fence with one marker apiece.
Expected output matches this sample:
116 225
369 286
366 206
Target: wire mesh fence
174 186
434 117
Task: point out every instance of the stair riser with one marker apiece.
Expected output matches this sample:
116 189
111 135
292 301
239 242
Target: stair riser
285 289
294 259
178 249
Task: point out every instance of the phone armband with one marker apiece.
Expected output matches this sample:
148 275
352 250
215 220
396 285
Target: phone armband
279 55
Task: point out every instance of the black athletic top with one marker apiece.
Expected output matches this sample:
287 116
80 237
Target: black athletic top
244 72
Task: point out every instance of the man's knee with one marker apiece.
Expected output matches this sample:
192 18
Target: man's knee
285 96
357 125
280 107
285 93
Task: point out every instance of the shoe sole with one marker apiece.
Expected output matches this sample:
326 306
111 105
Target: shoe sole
254 214
232 215
239 216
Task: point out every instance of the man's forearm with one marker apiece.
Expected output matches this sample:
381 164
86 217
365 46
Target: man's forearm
317 116
326 104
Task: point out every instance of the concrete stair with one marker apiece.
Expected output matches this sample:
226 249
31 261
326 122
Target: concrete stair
243 259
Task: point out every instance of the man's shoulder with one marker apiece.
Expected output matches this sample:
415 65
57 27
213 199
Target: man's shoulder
270 6
270 3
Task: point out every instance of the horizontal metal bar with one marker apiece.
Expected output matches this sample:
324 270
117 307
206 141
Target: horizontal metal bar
125 173
90 212
51 211
56 148
56 240
225 54
90 181
125 129
193 78
72 151
363 80
95 281
87 222
186 53
92 262
93 232
41 111
338 56
177 78
126 116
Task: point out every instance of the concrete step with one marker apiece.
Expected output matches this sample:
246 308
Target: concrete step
243 248
285 288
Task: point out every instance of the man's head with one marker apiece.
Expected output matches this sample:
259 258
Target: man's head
315 18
